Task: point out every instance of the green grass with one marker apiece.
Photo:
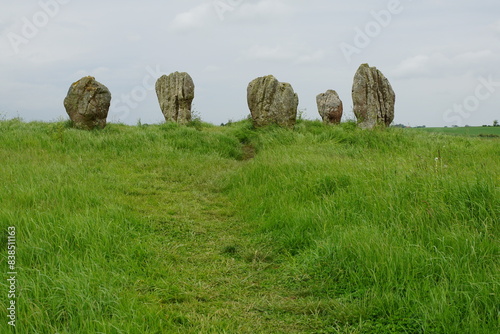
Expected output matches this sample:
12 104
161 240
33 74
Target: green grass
204 229
475 131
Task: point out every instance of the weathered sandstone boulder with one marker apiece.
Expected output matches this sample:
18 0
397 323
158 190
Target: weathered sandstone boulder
373 97
87 104
272 102
175 94
330 107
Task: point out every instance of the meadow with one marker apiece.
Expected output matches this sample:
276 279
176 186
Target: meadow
481 131
227 229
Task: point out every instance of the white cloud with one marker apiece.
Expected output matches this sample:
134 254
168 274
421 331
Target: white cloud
225 11
313 57
212 68
297 54
198 17
438 64
496 27
260 52
263 10
415 66
473 56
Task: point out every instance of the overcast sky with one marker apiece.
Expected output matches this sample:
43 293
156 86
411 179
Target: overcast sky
442 57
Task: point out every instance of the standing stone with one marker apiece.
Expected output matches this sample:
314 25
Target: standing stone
272 102
330 107
373 97
87 104
175 94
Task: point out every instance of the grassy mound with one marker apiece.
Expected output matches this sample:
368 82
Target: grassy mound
204 229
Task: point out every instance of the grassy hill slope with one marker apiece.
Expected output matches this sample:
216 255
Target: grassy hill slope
203 229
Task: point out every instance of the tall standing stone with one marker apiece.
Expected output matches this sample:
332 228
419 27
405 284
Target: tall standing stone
175 94
272 102
330 107
373 97
87 103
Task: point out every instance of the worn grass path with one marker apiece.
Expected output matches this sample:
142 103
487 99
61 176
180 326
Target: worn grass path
220 279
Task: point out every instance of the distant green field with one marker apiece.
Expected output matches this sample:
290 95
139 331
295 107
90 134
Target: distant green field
467 131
